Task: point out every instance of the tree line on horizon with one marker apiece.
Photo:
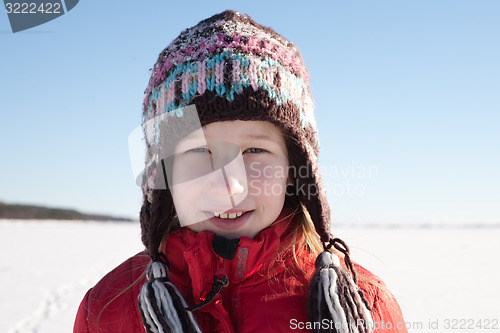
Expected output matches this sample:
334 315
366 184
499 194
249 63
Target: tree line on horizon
32 212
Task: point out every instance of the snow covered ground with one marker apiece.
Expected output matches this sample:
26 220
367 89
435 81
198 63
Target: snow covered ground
445 279
438 275
46 268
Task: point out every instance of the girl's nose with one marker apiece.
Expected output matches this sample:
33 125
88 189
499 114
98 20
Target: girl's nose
235 186
229 175
224 185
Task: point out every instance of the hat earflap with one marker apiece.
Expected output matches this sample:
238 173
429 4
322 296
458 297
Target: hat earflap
162 307
335 296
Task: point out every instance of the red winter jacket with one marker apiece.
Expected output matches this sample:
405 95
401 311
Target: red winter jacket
263 295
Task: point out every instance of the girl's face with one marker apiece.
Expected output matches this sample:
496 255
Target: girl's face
230 178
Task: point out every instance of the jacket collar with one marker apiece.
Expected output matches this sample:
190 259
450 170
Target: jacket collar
193 262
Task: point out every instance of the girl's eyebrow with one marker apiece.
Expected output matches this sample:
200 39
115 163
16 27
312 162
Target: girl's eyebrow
195 139
260 136
194 136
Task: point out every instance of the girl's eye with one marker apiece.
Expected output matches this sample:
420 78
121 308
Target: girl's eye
198 150
255 150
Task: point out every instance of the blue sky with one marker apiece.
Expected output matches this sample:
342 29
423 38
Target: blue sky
406 92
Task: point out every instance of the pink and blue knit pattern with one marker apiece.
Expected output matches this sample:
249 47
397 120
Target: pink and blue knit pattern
208 74
201 48
227 62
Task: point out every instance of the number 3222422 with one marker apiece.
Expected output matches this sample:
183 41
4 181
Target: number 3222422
471 324
33 8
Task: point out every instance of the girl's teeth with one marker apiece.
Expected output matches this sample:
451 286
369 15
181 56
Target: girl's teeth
230 215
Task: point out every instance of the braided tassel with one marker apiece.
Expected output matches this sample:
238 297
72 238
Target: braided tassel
335 296
162 307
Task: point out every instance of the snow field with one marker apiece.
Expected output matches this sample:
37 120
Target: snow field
440 276
46 268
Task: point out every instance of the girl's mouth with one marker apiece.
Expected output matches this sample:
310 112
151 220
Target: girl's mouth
230 216
230 221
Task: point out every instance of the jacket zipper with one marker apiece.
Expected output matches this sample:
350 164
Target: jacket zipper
221 273
221 270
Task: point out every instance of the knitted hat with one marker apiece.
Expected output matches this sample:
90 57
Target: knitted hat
231 68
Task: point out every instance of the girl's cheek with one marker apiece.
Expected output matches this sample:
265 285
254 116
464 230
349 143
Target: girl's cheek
266 180
192 167
266 169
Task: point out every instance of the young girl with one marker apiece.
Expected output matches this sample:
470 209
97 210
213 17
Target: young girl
235 221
